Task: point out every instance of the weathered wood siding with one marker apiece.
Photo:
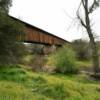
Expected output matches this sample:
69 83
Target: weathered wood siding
36 35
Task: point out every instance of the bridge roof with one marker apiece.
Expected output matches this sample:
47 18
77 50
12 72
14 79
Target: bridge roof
39 29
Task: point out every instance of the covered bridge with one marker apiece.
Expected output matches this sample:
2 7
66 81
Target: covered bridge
37 35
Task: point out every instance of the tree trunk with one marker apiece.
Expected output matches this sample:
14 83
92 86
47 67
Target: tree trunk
95 58
95 55
92 40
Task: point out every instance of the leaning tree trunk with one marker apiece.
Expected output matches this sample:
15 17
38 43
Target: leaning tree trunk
95 55
95 58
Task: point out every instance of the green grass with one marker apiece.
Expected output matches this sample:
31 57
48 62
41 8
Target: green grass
20 84
84 64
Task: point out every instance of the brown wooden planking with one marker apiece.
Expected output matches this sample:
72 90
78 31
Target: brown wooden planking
34 34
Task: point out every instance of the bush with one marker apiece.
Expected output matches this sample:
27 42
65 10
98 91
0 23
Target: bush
64 60
82 49
11 48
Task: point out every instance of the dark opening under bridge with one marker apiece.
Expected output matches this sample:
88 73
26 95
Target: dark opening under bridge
37 35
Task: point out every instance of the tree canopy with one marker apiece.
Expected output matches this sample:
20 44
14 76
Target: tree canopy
4 5
11 49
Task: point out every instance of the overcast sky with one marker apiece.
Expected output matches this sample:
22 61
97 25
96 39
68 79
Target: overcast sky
55 16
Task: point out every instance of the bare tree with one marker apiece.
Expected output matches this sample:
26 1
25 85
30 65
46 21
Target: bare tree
86 23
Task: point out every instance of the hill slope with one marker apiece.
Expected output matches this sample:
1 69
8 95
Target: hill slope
20 84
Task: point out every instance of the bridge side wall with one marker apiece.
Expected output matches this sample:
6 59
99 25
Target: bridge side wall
38 36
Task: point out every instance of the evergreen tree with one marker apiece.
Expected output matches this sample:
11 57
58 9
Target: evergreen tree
11 49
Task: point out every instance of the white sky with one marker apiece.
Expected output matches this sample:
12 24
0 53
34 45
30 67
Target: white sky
54 16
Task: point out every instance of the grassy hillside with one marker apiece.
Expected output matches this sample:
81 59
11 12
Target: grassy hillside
20 84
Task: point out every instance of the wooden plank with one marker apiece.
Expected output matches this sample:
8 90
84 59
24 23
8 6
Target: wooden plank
40 37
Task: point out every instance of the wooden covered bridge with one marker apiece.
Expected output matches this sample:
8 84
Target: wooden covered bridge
37 35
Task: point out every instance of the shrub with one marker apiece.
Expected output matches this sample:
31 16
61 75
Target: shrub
11 48
82 49
64 60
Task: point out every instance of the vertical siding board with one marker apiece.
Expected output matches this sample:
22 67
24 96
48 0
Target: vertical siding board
36 35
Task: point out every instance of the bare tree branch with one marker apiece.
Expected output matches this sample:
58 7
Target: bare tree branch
87 25
83 3
82 22
78 15
94 5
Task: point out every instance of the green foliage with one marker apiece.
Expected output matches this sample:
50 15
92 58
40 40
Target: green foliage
39 80
14 74
42 86
82 49
54 91
84 65
64 60
11 49
4 5
14 91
